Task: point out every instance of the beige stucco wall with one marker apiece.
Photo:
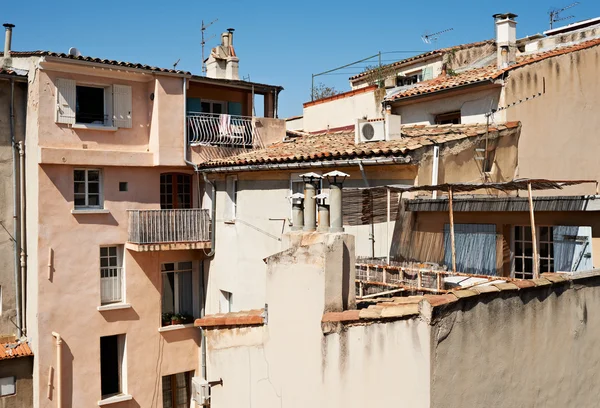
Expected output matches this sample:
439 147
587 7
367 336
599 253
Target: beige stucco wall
537 348
290 362
558 138
342 112
7 245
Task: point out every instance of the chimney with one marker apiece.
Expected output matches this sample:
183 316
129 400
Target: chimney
506 39
8 39
222 62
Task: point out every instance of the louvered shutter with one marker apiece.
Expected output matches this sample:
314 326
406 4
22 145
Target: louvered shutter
66 101
122 106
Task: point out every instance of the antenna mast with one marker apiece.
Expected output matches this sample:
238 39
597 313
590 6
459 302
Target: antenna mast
202 30
555 14
429 38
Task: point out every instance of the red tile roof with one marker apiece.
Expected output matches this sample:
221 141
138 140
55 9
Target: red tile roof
302 147
425 55
4 71
233 319
14 350
489 73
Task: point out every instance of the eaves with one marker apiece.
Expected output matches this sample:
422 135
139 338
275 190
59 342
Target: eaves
442 93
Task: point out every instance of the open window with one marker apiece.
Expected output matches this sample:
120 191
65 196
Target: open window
231 199
176 390
448 118
113 366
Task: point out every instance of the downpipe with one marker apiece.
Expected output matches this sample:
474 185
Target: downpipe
23 234
59 342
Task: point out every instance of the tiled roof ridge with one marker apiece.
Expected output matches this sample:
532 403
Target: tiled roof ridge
428 307
44 53
243 318
426 54
14 349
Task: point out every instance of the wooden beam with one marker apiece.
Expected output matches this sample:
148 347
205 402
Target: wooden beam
453 244
536 263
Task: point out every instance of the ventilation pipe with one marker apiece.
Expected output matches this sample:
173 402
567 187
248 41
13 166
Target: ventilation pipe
8 39
58 369
323 212
336 180
310 205
506 39
297 211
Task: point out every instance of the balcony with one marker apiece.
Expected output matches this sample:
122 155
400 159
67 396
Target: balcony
210 129
165 230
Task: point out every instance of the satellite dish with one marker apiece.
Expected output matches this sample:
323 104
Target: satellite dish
74 52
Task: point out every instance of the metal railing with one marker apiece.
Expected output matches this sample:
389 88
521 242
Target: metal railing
211 129
111 284
169 226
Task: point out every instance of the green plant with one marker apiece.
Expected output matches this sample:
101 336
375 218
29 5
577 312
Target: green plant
166 317
176 319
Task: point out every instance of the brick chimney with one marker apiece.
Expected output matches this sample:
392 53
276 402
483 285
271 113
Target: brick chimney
506 39
222 62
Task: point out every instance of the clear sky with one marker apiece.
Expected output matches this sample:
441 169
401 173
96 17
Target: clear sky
278 42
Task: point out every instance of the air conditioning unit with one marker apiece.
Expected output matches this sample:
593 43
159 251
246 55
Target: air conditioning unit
201 391
369 130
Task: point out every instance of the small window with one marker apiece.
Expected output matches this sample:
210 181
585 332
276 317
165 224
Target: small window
123 186
177 291
87 188
176 390
90 106
111 274
231 200
409 79
448 118
8 386
112 365
226 302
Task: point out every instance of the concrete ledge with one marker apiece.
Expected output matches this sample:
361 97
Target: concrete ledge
115 399
114 306
89 157
231 320
174 327
90 211
175 246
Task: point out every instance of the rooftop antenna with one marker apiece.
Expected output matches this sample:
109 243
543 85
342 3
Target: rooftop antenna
555 14
176 62
204 40
431 38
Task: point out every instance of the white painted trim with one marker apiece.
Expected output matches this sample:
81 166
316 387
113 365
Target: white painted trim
114 399
113 306
173 327
90 211
95 127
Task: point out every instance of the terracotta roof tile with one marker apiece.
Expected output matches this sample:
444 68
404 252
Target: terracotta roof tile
233 319
4 71
488 73
302 147
14 350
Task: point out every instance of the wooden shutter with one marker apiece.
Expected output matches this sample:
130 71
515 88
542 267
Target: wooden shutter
234 108
427 73
66 101
122 106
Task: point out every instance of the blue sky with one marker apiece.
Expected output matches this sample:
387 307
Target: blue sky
278 42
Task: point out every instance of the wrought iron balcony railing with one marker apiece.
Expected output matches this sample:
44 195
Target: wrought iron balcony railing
210 129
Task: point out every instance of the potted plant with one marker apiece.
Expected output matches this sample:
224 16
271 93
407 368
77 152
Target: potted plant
176 319
187 319
166 318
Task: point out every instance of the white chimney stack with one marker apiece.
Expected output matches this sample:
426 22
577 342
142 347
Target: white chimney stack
8 39
506 39
222 62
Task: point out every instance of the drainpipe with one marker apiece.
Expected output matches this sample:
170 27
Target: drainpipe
434 169
15 205
372 233
22 232
58 369
202 313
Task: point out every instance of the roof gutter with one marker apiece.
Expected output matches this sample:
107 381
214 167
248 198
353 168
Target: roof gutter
307 165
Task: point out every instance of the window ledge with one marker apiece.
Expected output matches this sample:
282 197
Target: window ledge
95 127
175 327
114 399
114 306
90 211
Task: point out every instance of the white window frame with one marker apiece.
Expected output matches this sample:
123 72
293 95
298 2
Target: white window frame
108 111
226 302
214 102
10 381
86 181
231 191
513 256
120 271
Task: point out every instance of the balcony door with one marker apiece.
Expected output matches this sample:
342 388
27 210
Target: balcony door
175 191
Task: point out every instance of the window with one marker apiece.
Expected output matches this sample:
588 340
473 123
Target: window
123 186
448 118
177 290
216 107
231 200
409 79
226 302
111 274
175 191
92 104
523 251
112 365
87 188
8 386
176 390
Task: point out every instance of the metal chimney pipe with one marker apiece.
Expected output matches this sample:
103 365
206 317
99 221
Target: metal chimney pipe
8 39
297 211
323 212
230 31
310 208
335 205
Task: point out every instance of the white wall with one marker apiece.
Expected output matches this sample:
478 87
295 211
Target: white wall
295 124
341 112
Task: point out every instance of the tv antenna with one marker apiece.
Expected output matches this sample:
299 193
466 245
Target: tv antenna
431 38
176 62
204 40
555 14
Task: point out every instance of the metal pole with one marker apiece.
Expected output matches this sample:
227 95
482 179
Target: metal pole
310 207
335 208
389 199
312 88
536 266
453 244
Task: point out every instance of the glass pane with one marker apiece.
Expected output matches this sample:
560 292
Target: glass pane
217 108
528 265
93 175
518 265
518 235
79 188
544 249
103 262
94 200
79 175
186 304
94 188
103 251
180 380
112 261
167 392
79 201
527 233
181 396
528 249
168 295
112 251
544 265
185 266
544 234
167 267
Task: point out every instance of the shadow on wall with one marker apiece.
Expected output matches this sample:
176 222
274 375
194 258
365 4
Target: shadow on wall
120 315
